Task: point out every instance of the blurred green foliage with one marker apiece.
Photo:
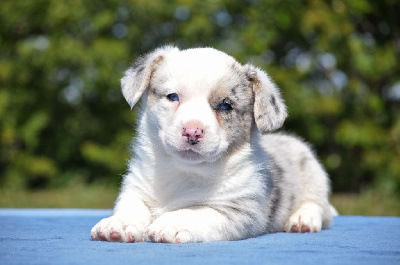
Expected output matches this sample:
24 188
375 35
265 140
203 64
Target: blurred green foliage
63 119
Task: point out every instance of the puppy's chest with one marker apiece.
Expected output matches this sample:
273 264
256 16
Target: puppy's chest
180 191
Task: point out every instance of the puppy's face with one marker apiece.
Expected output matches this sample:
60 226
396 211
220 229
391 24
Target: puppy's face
200 103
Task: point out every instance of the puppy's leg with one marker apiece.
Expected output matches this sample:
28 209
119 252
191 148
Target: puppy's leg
202 224
313 211
128 224
184 226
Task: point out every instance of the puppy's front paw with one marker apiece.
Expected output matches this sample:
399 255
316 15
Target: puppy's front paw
170 228
308 218
117 229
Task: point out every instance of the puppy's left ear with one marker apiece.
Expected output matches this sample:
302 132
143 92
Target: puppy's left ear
269 107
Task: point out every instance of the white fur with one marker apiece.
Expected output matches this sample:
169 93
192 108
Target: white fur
181 193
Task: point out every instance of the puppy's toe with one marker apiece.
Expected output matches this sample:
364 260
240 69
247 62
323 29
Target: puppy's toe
115 236
170 228
170 235
308 218
116 229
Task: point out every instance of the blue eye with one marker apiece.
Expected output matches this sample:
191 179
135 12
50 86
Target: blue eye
173 97
224 106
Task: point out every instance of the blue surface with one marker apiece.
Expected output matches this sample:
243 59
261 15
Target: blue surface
62 237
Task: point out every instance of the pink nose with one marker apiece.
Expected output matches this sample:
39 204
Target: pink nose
193 131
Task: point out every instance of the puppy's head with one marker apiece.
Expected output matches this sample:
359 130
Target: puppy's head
200 104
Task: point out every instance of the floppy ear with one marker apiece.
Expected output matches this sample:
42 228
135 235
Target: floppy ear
269 107
137 78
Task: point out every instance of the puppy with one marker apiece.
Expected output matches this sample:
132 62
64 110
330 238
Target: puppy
205 166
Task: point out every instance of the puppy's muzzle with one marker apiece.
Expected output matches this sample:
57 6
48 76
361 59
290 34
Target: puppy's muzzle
193 131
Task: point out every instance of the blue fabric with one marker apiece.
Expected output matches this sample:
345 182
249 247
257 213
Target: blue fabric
62 237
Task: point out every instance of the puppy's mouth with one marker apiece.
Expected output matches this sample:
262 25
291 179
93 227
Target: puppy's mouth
190 155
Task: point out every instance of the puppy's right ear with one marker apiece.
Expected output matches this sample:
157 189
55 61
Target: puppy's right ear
137 78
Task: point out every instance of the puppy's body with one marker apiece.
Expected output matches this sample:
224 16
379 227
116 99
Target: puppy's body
206 167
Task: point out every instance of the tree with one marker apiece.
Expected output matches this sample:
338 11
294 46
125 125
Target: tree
62 116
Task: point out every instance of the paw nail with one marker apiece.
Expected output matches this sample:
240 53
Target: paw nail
130 238
305 229
115 236
102 236
295 229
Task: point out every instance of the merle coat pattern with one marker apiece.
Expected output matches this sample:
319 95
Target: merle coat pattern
206 164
